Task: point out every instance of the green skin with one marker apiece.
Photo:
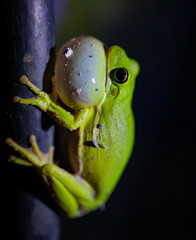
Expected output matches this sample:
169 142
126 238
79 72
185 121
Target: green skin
102 152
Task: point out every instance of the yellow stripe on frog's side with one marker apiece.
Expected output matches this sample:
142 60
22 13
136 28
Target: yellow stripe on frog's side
96 120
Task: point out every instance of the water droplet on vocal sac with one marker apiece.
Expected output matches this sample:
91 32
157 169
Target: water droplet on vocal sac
68 52
93 81
78 91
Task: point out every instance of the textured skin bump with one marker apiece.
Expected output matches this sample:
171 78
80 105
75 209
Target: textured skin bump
80 72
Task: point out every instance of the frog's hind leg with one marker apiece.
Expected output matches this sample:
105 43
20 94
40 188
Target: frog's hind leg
63 197
71 192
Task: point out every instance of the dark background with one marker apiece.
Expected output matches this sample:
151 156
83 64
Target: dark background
155 197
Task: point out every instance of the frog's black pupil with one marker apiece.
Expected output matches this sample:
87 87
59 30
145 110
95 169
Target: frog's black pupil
119 75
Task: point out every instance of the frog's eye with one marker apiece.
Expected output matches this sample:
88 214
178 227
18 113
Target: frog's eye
119 75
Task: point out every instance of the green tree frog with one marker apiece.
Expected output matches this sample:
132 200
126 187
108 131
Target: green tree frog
97 83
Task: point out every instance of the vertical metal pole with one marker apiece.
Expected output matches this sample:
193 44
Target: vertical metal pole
29 50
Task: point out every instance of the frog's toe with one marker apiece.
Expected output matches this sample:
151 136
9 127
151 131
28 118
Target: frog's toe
16 99
11 143
25 81
19 161
35 148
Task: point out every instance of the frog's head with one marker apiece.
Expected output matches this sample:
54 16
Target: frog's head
80 72
121 73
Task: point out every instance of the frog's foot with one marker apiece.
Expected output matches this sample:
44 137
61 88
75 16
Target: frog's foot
31 156
42 99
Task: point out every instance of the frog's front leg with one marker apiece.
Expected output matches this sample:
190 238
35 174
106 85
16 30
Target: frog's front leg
44 102
71 192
